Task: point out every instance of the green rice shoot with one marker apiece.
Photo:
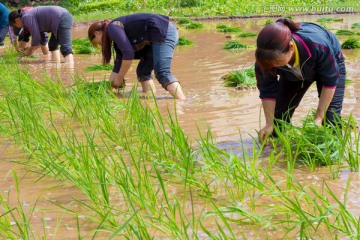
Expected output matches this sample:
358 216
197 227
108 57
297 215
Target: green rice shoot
230 45
351 43
184 41
184 21
99 67
247 34
345 32
241 79
356 25
194 26
84 46
329 19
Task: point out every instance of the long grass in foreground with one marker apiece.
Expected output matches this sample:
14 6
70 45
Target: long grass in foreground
144 178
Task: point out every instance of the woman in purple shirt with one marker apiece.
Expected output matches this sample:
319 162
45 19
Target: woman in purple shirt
148 37
39 20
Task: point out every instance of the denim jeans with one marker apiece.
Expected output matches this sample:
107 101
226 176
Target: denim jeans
163 55
63 35
3 32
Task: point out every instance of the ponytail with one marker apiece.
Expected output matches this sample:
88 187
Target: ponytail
106 43
290 24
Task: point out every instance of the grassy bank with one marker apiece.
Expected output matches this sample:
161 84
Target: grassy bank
92 10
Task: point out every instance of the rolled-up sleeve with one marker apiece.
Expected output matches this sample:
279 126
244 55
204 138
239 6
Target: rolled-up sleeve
118 35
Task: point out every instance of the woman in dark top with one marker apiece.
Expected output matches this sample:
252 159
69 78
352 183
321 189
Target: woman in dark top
39 20
148 37
289 58
23 37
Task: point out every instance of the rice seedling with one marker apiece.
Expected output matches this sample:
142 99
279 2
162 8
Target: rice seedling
356 25
184 21
221 26
84 46
227 29
194 25
247 34
329 19
99 67
268 21
345 32
231 45
243 79
184 41
351 43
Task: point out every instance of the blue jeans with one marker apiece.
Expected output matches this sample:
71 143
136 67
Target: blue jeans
163 55
63 36
3 32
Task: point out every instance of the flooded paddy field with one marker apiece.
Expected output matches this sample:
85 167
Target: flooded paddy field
196 188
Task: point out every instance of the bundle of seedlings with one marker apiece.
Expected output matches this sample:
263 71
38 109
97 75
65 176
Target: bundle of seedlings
230 45
84 46
310 144
99 67
184 41
351 43
242 80
226 29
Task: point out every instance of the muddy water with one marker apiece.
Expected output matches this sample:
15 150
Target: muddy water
230 114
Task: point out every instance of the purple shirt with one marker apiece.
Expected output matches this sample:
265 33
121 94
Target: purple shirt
42 19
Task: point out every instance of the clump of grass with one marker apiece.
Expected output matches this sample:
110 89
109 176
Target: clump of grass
244 79
194 25
268 22
345 32
329 19
98 67
184 41
247 34
83 46
235 45
288 16
95 88
317 145
226 29
356 25
221 26
351 43
184 21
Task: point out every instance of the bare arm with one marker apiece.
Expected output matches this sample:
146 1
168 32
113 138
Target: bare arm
326 96
30 50
269 109
118 80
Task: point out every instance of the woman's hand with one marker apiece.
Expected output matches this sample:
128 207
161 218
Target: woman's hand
118 83
265 132
318 121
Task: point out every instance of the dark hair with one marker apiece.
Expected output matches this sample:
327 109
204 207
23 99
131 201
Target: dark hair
14 15
106 41
273 41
